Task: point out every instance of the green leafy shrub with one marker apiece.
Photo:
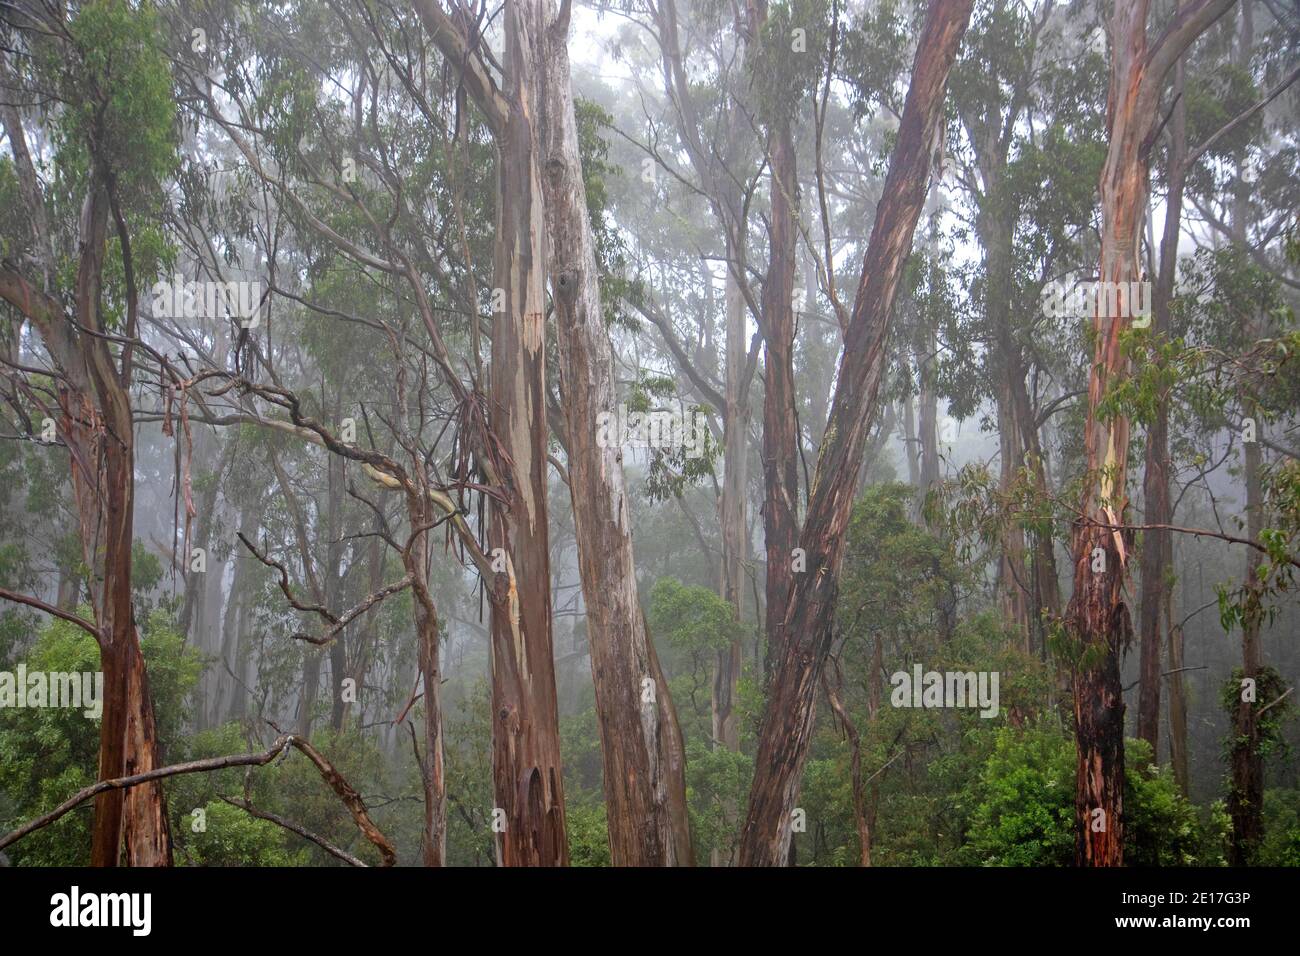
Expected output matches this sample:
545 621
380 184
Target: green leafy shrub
1024 809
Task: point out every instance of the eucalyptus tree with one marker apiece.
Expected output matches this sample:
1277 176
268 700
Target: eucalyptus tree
1098 614
94 73
787 721
1013 115
329 153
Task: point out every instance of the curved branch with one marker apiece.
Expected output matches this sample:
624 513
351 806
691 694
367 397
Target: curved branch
351 799
122 783
51 610
292 827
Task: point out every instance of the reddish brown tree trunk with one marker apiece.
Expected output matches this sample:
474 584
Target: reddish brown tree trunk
96 425
1097 611
100 434
527 783
1098 614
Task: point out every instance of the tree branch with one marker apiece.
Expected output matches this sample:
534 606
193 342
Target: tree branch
292 827
351 799
50 609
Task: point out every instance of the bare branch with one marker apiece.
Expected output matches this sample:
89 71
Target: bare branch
50 609
292 827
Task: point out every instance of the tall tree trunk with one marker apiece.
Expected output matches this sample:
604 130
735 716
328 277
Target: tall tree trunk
1014 591
527 782
1098 614
1046 605
104 485
927 424
1177 699
788 716
911 443
780 432
229 700
1157 545
334 548
641 743
196 591
433 843
203 591
727 661
322 589
1097 610
995 230
96 425
1246 797
363 648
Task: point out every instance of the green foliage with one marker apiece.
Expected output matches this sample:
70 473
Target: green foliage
895 570
119 110
290 787
691 617
875 52
1024 806
468 733
47 753
611 248
788 61
588 834
1281 817
15 226
1272 707
232 837
1258 600
1160 825
717 791
146 569
1024 802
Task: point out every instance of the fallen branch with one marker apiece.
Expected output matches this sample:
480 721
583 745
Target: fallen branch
158 773
292 827
351 799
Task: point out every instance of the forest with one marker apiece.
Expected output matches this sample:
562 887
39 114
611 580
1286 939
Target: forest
649 433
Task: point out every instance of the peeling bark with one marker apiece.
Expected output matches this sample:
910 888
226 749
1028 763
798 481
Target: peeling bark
527 782
1098 614
641 744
